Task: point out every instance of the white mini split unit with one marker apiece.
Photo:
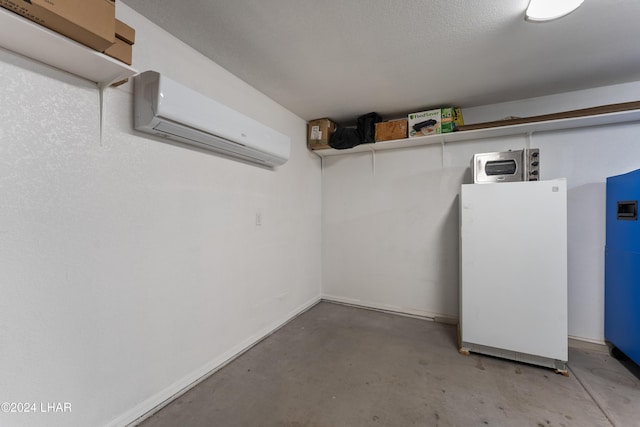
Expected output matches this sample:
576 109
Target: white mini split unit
168 109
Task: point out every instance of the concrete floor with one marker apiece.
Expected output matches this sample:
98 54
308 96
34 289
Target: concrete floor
343 366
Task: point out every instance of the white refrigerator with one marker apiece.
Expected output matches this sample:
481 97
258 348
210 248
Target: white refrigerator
513 271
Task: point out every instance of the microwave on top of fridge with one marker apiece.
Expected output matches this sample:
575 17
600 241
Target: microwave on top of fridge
506 166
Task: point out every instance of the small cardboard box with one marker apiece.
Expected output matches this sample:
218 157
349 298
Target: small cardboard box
424 123
90 22
125 32
393 129
121 50
446 116
319 133
457 117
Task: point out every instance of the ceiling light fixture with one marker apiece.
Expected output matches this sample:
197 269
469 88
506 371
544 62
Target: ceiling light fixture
548 10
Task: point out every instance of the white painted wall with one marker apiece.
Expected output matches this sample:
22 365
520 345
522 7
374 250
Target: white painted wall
390 232
587 157
130 267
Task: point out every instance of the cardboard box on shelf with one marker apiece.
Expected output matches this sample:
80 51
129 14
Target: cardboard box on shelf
424 123
125 32
121 50
446 116
319 133
393 129
90 22
457 117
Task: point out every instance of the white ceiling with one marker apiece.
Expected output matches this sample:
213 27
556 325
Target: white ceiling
345 58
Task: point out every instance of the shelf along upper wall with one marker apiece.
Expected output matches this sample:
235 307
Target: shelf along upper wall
19 35
624 116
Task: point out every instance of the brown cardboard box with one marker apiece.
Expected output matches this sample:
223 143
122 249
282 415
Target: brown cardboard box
393 129
120 83
125 32
90 22
121 50
319 133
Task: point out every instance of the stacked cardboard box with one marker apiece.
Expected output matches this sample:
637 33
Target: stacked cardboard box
122 49
90 22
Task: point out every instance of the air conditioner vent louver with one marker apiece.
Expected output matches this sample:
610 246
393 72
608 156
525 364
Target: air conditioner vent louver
168 109
210 142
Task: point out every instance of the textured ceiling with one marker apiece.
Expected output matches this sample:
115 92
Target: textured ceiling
344 58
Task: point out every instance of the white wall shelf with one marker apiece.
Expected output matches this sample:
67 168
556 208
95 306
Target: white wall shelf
24 37
519 129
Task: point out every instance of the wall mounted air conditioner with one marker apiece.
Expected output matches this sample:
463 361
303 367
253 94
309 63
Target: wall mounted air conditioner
168 109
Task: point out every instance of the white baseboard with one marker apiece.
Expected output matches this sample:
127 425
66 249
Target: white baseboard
437 317
588 344
145 409
576 342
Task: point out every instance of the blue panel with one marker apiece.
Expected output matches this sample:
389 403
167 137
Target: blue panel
622 264
623 234
622 301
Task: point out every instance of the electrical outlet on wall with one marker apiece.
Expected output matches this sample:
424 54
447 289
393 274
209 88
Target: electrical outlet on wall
258 218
